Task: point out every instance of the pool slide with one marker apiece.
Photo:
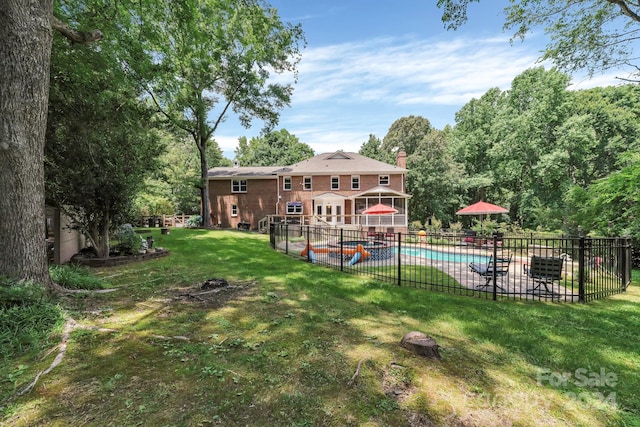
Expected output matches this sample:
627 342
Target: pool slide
359 253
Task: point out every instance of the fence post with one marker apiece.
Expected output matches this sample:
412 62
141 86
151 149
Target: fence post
581 264
494 273
399 237
286 239
341 249
308 236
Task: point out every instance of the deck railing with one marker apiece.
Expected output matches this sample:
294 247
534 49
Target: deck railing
591 268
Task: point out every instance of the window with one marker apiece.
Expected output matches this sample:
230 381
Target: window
239 186
286 183
294 208
355 182
383 180
335 182
234 210
307 183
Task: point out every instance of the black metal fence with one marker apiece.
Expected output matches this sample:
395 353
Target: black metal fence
517 267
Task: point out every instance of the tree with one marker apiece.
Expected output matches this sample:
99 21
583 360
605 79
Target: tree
594 35
200 60
432 179
25 49
277 148
100 142
472 138
406 134
611 205
373 149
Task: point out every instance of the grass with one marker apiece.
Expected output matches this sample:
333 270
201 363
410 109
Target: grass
281 346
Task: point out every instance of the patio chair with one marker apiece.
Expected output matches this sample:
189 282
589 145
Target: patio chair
544 271
371 233
390 234
498 267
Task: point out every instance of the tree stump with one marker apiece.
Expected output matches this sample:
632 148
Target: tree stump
421 344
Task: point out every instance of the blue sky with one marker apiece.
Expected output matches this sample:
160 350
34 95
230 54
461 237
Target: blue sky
370 63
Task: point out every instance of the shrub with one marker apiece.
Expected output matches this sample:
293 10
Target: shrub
194 221
129 241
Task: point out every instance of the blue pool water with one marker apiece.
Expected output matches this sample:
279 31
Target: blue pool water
445 256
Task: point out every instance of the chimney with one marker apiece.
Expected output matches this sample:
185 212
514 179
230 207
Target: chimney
401 159
236 164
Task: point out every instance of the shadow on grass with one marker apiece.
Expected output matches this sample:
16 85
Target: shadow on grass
283 352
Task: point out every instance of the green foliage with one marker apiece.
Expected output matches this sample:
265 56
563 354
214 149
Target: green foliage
27 327
406 134
101 140
194 221
128 240
611 205
584 34
148 204
279 347
528 146
27 319
200 60
277 148
374 149
73 276
434 224
14 293
432 178
415 225
455 226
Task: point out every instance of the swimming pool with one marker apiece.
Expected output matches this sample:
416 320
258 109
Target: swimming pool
445 256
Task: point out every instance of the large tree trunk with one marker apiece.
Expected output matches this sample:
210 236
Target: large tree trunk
25 50
204 189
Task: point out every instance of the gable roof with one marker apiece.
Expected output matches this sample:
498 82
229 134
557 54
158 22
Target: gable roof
347 163
244 172
339 162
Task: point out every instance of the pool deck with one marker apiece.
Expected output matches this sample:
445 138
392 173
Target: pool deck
515 284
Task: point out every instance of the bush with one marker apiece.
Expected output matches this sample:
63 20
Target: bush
194 221
129 241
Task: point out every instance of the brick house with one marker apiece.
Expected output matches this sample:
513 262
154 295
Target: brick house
330 188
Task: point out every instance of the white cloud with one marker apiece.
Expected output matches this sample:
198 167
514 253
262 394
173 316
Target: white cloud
347 91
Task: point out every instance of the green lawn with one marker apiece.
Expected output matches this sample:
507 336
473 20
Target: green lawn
281 347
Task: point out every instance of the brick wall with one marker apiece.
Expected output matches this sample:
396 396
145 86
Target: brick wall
259 201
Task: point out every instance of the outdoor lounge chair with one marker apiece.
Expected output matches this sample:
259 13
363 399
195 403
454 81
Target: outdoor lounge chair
544 271
371 233
390 234
498 267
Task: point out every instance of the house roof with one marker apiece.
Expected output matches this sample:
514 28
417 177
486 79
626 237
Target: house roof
382 191
339 162
244 172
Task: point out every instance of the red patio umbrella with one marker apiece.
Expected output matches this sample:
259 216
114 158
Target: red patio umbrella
482 208
380 209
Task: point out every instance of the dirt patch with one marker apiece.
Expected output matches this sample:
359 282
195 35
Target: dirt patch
213 293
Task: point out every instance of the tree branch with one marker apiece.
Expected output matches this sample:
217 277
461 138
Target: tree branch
74 36
624 8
